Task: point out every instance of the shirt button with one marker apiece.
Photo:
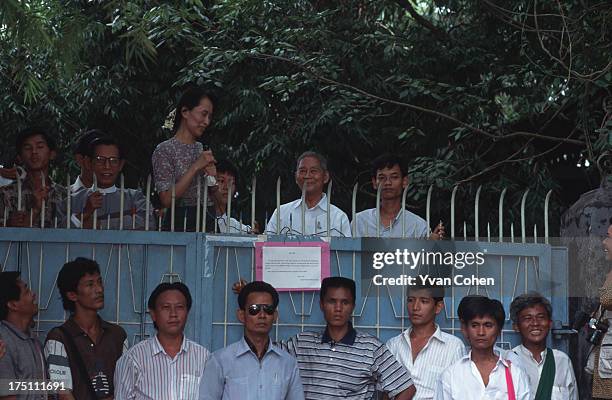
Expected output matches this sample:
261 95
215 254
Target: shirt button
91 344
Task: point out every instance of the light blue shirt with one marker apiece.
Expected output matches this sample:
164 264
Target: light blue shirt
235 372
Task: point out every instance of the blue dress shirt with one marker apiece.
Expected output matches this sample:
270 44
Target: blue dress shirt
235 372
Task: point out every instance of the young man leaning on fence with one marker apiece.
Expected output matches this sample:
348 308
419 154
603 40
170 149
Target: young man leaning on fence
36 200
391 176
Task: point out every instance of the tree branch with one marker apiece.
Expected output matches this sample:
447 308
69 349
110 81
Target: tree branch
439 33
417 108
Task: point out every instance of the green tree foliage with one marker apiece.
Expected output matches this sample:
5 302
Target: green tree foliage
468 92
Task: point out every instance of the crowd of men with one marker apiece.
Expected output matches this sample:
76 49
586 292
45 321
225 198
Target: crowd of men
98 200
91 358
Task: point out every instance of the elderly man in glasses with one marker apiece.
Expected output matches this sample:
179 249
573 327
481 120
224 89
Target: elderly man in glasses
102 203
253 368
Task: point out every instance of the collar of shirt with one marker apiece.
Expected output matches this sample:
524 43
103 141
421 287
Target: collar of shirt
75 330
108 190
500 359
158 348
322 204
436 335
527 353
246 346
77 185
348 339
18 332
395 220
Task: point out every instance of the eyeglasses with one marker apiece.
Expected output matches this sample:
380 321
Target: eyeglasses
254 309
101 161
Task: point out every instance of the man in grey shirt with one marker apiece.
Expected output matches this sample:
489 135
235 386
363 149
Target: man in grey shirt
106 158
24 357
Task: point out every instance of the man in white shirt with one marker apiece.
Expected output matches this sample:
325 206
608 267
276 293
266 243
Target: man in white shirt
423 348
311 176
550 372
389 173
483 374
167 365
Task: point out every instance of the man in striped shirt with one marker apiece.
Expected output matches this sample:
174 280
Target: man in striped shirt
423 348
341 362
167 365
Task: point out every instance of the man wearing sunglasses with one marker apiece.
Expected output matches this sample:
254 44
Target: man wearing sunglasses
103 199
253 368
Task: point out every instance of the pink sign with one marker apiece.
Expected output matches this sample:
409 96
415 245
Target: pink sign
292 266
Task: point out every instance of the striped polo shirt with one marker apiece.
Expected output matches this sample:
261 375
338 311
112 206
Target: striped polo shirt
147 372
353 368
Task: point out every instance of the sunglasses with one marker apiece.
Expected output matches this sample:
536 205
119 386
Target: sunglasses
254 309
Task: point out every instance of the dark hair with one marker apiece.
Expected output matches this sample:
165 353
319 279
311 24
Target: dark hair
227 167
527 300
435 291
27 133
337 282
257 287
313 154
480 306
388 160
82 144
103 141
164 287
9 291
70 275
190 99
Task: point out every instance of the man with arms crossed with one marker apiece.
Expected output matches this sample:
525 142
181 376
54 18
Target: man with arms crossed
483 373
550 371
167 365
253 368
83 351
423 348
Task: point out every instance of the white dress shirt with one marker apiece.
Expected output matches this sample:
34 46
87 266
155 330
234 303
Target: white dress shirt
77 185
462 381
315 219
564 386
441 351
235 226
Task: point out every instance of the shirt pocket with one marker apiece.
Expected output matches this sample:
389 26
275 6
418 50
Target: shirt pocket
189 386
236 388
560 393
